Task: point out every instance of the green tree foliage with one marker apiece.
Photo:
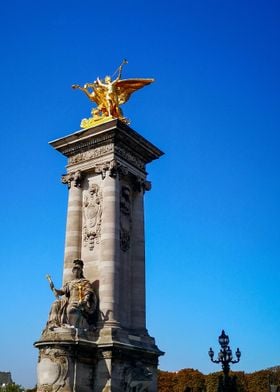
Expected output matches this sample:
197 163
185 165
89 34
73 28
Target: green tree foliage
12 388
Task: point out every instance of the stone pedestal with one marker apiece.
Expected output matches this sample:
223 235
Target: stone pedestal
106 177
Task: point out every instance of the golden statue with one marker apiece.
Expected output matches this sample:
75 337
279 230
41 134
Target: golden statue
109 94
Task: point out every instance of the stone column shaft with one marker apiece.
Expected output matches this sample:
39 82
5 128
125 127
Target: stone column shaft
109 263
73 230
138 303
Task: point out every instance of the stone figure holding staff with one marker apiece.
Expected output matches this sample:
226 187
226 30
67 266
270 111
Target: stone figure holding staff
77 304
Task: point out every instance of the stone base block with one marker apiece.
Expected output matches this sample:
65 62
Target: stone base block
109 360
61 369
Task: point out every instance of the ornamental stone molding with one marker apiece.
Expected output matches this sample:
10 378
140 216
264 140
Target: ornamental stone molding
105 150
87 144
103 168
129 157
94 153
127 142
112 167
72 178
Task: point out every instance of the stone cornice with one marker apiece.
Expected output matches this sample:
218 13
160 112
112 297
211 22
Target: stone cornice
121 135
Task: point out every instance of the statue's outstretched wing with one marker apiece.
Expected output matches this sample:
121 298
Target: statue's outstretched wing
126 87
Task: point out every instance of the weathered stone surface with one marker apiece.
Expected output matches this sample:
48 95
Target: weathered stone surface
106 178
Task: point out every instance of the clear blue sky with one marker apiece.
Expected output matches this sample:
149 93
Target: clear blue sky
212 217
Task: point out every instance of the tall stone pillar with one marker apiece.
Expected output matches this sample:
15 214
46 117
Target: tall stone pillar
74 222
106 177
109 258
138 302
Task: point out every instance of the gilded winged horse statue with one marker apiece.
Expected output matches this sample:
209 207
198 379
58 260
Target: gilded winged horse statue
108 95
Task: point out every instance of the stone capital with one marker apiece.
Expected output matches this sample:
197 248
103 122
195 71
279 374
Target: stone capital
72 179
140 184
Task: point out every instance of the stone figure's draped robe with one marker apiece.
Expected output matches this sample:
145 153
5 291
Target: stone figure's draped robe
75 307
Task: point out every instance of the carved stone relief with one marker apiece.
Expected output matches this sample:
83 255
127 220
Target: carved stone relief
75 305
92 212
125 218
103 150
110 166
137 378
87 144
97 152
52 370
122 152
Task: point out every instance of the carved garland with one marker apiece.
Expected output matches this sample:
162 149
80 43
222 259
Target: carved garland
86 145
97 152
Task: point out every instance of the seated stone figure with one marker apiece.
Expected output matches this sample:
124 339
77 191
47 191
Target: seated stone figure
78 304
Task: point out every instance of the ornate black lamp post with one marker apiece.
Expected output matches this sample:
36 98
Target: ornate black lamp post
225 358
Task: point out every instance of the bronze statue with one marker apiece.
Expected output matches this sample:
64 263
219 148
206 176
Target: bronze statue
109 94
78 303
